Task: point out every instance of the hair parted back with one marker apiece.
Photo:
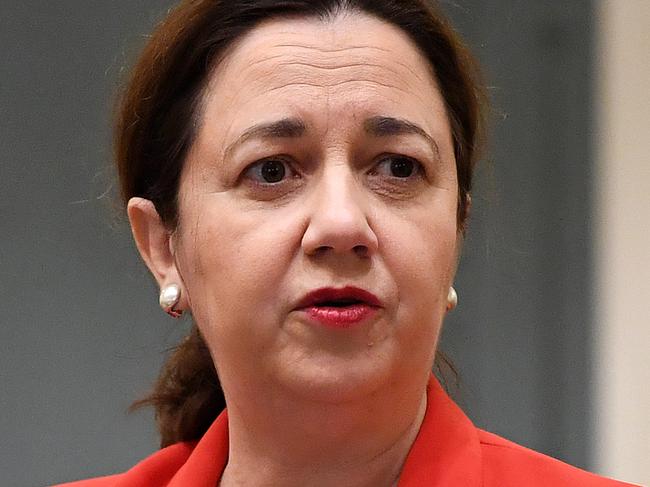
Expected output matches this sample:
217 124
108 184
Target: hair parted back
159 112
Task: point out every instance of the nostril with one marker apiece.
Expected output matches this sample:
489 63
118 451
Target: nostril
361 250
322 250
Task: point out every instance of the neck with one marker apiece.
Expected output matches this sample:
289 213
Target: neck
288 440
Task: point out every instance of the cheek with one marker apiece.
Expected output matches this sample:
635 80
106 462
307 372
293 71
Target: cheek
421 244
234 265
420 253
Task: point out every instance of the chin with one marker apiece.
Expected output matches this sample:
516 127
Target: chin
335 379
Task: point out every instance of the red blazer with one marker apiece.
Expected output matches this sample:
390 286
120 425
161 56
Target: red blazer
448 451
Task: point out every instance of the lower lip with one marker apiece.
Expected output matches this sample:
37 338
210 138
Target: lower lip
345 317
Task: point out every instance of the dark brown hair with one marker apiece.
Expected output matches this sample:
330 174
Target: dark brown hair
158 116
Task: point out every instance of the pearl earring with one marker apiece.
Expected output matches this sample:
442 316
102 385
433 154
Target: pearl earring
452 299
169 297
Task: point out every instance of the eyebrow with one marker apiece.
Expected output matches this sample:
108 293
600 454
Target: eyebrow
379 126
284 128
389 127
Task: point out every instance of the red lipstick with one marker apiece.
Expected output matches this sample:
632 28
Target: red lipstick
339 308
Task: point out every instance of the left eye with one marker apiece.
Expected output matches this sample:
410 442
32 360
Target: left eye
399 167
270 171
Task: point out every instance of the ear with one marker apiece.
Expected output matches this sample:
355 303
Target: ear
153 240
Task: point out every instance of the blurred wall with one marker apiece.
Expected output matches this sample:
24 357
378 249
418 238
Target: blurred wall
522 335
622 422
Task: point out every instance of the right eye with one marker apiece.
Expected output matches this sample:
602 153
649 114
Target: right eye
268 172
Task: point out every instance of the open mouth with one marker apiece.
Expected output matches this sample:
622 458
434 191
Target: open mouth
347 298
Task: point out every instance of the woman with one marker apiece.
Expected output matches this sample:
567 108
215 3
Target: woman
297 175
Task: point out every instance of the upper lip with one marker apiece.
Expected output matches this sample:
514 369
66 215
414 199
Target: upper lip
329 294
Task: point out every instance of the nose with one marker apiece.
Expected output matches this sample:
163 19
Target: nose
338 217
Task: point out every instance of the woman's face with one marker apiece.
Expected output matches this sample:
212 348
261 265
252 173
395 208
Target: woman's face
323 159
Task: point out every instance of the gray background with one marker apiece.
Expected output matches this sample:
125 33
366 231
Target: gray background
81 333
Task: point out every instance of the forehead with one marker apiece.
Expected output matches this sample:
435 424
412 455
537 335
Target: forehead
331 68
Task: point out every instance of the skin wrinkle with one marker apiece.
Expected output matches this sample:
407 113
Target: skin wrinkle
262 78
337 84
306 62
366 68
362 59
363 63
342 50
334 68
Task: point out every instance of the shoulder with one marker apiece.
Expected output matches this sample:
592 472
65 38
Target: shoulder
155 470
508 464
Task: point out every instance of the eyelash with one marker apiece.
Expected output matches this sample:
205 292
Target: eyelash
418 172
259 164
